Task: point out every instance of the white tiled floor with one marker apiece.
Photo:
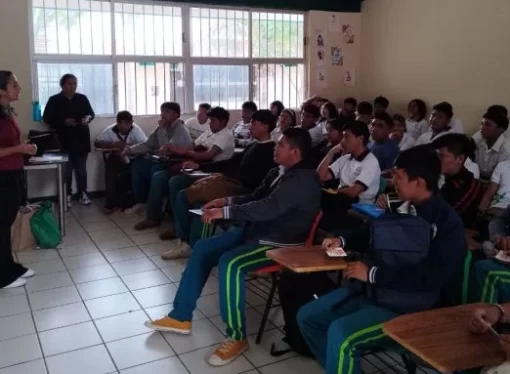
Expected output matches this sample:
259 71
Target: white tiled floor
84 311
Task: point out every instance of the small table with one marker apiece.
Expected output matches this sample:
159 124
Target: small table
306 259
441 338
57 162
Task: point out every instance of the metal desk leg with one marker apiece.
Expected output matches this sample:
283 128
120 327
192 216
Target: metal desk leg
64 184
61 200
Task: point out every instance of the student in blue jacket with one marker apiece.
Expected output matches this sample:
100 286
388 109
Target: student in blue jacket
338 325
278 213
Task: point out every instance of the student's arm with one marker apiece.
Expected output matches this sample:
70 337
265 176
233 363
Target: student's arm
370 175
204 156
103 141
258 193
326 170
150 145
139 135
17 149
488 195
353 191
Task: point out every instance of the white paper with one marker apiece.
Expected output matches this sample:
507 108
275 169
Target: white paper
349 77
196 211
321 78
334 23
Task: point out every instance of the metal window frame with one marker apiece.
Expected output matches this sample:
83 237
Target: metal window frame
186 59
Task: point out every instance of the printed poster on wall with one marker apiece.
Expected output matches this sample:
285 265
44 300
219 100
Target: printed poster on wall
337 56
349 77
348 34
321 78
320 38
334 23
320 57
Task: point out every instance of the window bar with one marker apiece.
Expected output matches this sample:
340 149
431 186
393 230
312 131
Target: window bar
165 67
56 27
68 26
45 30
235 34
209 33
91 32
79 24
133 33
218 29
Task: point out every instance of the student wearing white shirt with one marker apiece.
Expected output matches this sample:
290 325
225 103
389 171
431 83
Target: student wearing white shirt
416 123
310 115
439 121
287 119
400 134
241 129
498 109
493 147
200 123
328 112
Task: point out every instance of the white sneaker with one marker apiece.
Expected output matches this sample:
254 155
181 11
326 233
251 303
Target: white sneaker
135 209
69 201
20 282
84 199
28 274
178 249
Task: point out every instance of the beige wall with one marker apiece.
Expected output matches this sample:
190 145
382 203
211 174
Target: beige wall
454 50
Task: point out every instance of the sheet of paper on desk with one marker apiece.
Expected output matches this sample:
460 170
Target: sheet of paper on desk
197 211
45 159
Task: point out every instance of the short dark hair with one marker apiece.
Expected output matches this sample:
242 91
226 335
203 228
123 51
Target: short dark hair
501 109
421 162
458 144
365 108
339 123
205 106
312 109
400 118
124 115
332 110
292 115
266 117
358 128
385 117
249 105
444 107
420 105
67 77
382 101
352 101
279 105
497 117
219 113
301 139
170 105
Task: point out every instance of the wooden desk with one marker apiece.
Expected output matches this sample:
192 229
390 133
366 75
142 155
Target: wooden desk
441 338
306 259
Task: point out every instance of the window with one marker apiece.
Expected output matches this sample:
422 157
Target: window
135 55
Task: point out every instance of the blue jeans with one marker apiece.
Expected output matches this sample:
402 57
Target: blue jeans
142 170
158 190
336 332
491 281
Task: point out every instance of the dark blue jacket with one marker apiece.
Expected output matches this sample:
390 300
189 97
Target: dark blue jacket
386 153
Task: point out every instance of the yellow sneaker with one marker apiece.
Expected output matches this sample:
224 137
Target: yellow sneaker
170 324
227 352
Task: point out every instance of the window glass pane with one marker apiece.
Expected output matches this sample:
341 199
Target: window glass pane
144 86
219 33
94 80
277 35
284 82
223 85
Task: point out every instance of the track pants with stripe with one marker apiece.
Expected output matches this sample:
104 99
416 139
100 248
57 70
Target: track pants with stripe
491 281
337 327
234 258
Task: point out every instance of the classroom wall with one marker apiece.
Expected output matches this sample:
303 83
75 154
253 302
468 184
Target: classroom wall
455 50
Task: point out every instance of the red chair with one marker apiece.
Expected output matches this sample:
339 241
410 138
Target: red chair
273 271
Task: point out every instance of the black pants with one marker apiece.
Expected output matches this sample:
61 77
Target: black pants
78 163
11 195
118 183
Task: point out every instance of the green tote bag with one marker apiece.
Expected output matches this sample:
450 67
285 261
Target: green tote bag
45 227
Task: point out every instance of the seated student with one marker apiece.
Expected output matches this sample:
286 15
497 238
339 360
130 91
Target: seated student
416 123
280 213
496 109
200 123
241 129
365 112
286 120
381 104
117 136
399 133
328 112
170 130
276 108
493 148
340 324
439 121
310 115
382 147
254 164
349 107
334 136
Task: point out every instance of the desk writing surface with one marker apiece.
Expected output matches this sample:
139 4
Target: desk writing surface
306 259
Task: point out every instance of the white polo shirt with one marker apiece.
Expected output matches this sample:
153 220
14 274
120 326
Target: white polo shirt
223 139
417 128
349 170
406 142
429 136
316 135
196 128
135 136
487 158
501 176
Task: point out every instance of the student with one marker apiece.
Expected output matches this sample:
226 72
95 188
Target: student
170 131
381 104
276 108
117 136
328 112
340 324
334 136
255 163
200 123
241 129
70 113
439 121
365 112
287 119
382 147
215 145
310 115
498 110
280 213
12 180
493 148
416 123
400 134
349 107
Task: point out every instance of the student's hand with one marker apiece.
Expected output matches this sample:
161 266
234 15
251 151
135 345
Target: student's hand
27 149
331 243
86 120
126 151
336 150
164 150
70 122
356 270
119 145
216 203
504 342
190 165
483 206
210 215
382 201
483 319
495 212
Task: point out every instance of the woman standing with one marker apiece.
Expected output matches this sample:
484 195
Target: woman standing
12 184
70 113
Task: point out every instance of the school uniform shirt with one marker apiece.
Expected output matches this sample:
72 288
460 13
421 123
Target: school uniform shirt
242 134
429 136
487 158
276 133
406 142
457 126
417 128
501 176
477 136
386 153
323 127
223 139
196 128
111 134
316 135
363 170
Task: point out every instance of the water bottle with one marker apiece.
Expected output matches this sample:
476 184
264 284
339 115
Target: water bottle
36 111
